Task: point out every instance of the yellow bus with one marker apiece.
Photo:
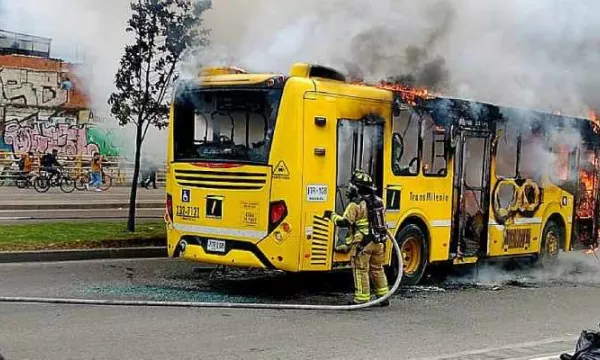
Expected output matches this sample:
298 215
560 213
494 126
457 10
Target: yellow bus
254 160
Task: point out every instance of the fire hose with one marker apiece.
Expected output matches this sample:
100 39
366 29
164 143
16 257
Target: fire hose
221 305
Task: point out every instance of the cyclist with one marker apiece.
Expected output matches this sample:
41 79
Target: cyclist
26 165
51 165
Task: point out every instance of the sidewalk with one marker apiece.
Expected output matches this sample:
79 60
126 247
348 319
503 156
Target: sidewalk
27 206
28 199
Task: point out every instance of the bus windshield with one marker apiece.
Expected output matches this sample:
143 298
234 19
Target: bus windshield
225 125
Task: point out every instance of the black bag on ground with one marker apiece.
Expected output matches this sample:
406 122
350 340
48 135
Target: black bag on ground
587 348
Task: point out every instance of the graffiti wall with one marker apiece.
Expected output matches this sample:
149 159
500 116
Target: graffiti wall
42 108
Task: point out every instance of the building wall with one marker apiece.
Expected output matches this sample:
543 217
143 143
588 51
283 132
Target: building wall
39 114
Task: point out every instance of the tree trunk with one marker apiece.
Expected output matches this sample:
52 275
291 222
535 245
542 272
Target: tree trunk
135 180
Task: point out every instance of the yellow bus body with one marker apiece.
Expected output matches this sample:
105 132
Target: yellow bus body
231 203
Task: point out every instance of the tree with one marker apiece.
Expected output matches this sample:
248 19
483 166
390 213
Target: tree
162 32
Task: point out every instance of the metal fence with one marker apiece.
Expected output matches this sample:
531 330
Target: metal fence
23 44
121 170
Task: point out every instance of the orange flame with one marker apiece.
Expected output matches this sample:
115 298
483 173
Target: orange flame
408 94
593 116
587 183
591 251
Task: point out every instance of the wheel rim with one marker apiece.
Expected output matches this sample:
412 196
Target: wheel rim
411 255
552 243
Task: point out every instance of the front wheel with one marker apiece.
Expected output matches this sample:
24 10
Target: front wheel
67 185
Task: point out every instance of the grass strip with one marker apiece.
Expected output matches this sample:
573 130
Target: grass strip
54 236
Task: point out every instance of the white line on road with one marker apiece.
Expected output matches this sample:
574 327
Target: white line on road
509 347
15 218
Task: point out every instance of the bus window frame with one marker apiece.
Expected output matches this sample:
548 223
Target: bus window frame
516 174
395 134
422 148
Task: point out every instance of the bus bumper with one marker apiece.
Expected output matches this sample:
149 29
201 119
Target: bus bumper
239 254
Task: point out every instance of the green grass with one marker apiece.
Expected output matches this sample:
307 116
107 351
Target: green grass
79 235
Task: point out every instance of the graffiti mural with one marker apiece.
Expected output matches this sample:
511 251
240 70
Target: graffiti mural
42 109
37 88
41 138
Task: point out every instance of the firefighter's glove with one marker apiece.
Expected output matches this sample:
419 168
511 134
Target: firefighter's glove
327 214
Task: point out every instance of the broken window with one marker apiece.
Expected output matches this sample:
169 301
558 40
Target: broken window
405 148
506 154
434 150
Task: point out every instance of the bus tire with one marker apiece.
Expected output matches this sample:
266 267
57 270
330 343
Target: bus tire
415 253
552 237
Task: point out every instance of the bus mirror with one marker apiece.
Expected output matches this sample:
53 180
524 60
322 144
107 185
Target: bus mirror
397 147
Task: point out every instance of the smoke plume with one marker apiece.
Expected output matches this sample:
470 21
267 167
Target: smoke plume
540 53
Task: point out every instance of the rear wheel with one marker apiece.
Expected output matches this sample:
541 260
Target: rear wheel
415 254
41 184
551 241
22 182
81 182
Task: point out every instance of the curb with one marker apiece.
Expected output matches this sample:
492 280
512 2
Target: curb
77 255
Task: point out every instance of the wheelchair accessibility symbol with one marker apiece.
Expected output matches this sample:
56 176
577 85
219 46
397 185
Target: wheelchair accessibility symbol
186 196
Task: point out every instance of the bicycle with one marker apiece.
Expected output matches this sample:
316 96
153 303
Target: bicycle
7 174
84 179
45 181
25 181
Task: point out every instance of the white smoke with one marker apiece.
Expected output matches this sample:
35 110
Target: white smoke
572 267
539 53
90 33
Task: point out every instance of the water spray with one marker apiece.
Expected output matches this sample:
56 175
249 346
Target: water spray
216 305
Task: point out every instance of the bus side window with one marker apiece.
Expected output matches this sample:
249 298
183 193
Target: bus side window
506 154
434 150
405 144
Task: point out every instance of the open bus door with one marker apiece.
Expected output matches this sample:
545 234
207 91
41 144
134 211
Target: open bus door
471 189
359 146
586 197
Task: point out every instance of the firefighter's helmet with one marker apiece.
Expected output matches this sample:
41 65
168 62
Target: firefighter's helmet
362 180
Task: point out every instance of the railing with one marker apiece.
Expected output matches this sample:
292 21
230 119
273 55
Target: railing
120 169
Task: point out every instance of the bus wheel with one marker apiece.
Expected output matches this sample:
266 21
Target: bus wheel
415 253
551 240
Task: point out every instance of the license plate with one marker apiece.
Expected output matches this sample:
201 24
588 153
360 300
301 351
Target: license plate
215 246
190 212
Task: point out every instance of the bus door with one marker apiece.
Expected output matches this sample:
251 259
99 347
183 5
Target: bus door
586 199
359 146
472 189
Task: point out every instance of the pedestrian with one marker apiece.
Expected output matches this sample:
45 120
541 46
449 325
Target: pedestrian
367 256
96 171
149 174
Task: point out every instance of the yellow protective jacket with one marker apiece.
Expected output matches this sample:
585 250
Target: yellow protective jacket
355 217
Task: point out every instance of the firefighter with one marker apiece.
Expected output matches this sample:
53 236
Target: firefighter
367 256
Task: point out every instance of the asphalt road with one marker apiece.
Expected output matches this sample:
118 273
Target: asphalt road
491 314
27 206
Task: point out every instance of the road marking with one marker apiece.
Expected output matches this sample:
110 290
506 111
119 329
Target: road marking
548 349
9 218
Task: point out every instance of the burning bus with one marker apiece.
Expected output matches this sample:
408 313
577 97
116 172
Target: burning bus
255 160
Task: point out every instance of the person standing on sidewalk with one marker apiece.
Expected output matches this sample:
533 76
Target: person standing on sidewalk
96 173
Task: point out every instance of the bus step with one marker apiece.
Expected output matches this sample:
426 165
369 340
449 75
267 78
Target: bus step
465 260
